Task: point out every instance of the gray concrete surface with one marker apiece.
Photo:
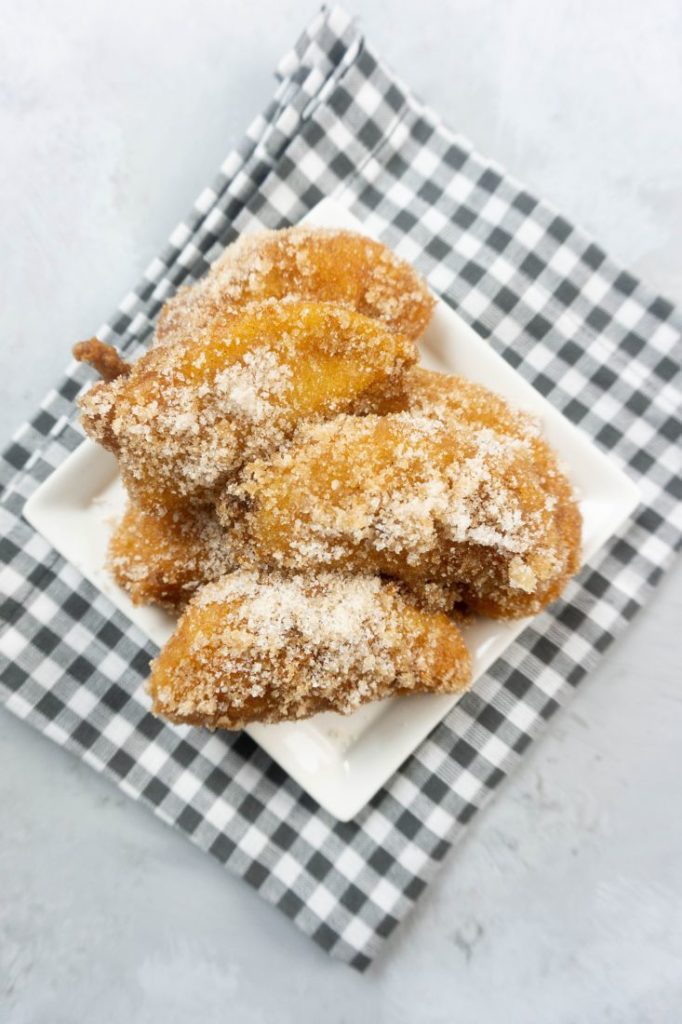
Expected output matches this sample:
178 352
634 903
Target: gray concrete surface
564 905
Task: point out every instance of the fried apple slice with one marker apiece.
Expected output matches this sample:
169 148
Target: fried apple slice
272 648
447 396
311 264
421 500
186 417
164 559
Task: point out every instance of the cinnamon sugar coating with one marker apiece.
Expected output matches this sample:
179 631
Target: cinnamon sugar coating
272 648
421 499
446 396
186 417
301 263
320 510
164 559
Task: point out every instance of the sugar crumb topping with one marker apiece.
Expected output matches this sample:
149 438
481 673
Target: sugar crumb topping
301 263
321 640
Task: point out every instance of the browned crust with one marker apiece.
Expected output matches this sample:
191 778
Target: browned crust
103 358
275 648
302 263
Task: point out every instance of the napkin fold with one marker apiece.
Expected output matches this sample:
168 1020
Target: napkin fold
599 344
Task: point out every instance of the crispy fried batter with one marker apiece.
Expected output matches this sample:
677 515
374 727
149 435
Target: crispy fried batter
103 358
448 396
269 648
420 500
359 498
322 265
188 416
163 560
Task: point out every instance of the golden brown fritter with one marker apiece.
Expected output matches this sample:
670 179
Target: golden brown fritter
421 500
164 559
302 263
363 503
269 648
188 416
448 396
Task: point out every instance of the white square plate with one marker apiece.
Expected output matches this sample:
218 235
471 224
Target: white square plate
342 761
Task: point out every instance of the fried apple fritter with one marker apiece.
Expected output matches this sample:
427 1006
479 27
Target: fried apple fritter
420 500
164 559
447 396
186 417
302 263
269 648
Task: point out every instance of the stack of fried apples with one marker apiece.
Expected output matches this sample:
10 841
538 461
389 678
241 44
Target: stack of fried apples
321 513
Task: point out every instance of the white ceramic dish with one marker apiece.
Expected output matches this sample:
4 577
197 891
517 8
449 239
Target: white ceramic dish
342 762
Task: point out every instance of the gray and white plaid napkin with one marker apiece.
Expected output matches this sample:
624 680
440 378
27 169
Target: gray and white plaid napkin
588 335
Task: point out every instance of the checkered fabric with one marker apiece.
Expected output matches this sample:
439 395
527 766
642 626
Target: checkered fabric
588 335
